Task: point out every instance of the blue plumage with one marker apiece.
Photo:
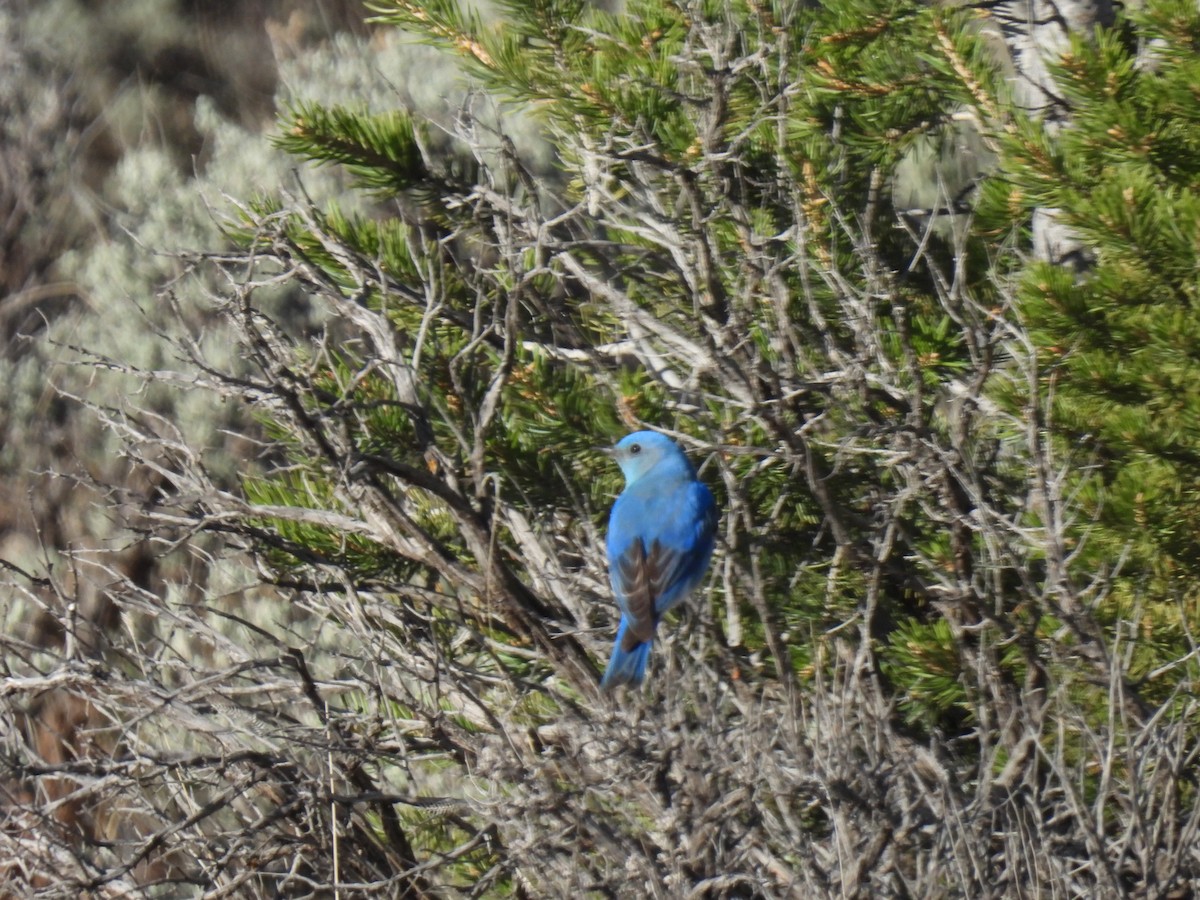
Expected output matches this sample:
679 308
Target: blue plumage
660 539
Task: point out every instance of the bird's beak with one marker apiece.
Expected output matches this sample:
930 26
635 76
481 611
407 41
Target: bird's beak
607 451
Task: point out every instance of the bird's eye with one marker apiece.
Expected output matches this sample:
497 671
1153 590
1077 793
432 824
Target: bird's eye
635 449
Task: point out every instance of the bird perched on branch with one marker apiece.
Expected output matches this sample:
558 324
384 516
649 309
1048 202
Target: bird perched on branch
660 539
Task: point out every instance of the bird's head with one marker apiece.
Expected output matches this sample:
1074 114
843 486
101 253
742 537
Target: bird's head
643 452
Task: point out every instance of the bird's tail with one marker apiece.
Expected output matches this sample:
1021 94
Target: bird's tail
626 666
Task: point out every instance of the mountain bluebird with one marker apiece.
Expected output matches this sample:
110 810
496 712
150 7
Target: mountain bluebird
660 538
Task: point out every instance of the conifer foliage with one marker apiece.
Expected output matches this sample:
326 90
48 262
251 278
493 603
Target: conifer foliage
945 648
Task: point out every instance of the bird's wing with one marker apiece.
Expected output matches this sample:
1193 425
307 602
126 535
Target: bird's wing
691 544
640 577
706 515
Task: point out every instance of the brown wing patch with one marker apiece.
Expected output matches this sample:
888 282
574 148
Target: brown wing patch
638 589
642 579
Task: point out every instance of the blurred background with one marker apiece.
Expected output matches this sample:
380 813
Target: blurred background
127 129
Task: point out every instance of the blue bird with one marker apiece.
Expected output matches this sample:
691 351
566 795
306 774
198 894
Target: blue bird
660 539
